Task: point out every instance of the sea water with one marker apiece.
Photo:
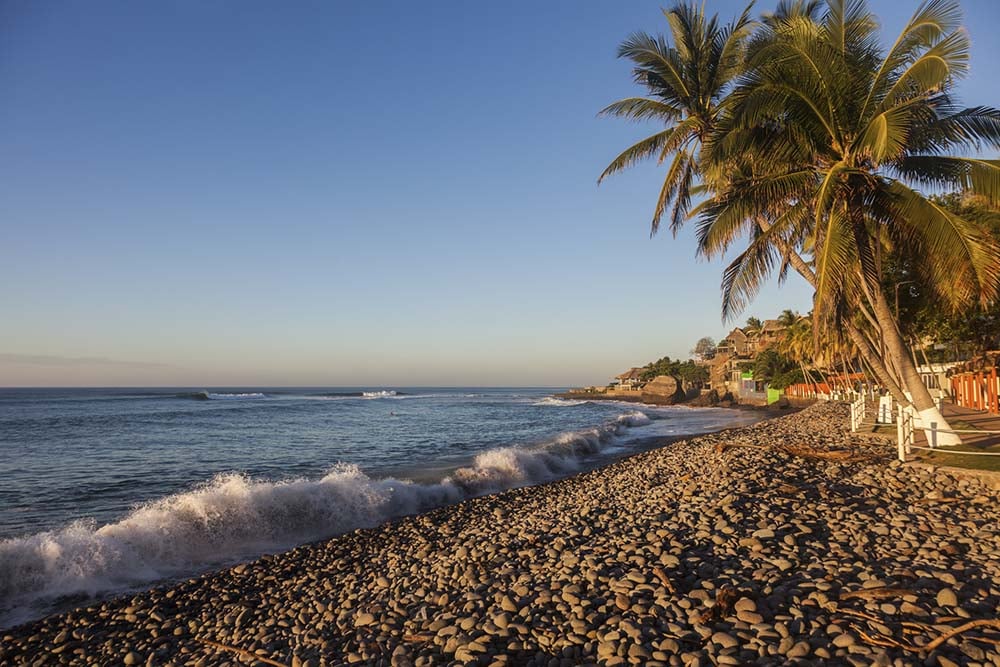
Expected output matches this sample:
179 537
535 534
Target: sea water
109 490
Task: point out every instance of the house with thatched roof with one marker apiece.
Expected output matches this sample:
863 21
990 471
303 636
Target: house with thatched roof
771 331
772 327
630 379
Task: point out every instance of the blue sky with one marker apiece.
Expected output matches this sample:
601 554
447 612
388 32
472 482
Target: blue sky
392 193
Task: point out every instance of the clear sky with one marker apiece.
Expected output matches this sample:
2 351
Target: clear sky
207 193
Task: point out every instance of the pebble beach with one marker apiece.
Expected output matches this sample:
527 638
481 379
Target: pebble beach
789 542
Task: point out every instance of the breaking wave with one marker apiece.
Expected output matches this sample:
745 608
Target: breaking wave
559 402
234 517
217 396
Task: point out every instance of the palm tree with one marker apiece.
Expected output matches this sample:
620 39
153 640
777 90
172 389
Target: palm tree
833 136
686 80
788 318
796 343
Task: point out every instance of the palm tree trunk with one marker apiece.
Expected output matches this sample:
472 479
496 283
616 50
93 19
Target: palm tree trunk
895 348
878 368
899 355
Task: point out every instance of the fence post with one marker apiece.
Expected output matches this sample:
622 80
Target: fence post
910 430
979 391
900 444
994 402
933 438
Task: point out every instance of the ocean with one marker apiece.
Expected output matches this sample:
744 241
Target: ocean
104 491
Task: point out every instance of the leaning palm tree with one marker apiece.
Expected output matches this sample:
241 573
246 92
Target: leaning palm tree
687 80
706 58
840 135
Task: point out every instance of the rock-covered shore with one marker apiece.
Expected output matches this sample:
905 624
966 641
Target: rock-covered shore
740 547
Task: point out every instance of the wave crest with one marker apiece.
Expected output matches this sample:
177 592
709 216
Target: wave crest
559 402
220 396
379 394
233 517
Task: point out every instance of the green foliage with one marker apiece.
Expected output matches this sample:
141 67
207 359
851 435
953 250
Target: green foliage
788 378
788 317
692 373
688 371
923 316
774 368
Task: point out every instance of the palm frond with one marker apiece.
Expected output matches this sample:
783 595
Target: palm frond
743 278
929 22
682 200
965 129
676 178
835 260
964 259
645 149
948 59
654 55
974 174
641 109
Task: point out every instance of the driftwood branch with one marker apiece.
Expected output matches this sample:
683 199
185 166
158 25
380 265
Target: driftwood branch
860 614
883 640
243 653
881 593
836 455
664 579
981 623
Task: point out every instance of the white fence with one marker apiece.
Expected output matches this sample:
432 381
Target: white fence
906 429
857 412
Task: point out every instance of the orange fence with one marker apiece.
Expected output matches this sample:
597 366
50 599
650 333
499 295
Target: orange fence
807 390
979 391
812 389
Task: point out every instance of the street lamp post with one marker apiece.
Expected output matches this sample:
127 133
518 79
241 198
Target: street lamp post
898 285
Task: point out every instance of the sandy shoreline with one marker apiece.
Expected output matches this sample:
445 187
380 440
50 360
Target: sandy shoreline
689 554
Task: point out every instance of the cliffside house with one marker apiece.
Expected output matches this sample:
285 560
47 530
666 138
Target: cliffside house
735 344
630 379
737 349
770 332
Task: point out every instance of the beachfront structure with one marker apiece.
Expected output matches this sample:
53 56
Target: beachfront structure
728 370
770 332
735 344
630 379
975 383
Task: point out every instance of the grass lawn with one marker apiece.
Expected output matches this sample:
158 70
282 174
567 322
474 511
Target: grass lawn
952 456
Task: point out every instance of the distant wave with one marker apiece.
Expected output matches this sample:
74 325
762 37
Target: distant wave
559 402
385 393
213 396
235 517
379 394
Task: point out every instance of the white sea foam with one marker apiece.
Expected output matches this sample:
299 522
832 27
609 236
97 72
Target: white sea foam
378 394
213 396
234 517
559 402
